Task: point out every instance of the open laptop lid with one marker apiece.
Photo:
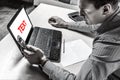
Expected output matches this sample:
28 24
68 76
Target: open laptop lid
20 25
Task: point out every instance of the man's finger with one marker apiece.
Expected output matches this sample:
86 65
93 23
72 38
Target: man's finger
54 24
26 53
34 49
52 20
31 48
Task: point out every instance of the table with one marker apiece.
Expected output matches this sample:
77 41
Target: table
39 17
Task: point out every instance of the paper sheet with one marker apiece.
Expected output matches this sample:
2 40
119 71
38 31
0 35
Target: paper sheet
75 51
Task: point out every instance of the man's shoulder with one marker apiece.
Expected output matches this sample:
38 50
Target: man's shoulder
110 37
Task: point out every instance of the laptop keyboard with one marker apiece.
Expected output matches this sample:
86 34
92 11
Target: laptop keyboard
45 40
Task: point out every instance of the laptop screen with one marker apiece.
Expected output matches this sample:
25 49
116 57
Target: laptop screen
21 25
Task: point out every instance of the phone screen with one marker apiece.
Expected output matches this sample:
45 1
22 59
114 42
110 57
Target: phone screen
21 42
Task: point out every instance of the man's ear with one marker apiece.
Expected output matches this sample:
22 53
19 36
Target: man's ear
107 9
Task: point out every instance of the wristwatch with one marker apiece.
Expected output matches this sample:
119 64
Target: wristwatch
43 60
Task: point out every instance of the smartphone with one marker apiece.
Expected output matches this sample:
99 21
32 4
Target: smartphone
75 16
21 42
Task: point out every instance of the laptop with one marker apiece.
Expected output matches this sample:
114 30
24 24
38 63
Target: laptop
46 39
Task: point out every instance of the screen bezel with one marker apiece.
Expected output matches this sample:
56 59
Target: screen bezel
12 20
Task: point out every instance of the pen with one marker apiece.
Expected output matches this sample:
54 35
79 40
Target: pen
64 46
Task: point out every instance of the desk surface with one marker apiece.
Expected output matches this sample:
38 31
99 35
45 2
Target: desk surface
39 17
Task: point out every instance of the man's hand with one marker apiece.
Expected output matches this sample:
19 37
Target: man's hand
58 22
34 55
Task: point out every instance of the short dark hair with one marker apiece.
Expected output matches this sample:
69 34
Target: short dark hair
99 3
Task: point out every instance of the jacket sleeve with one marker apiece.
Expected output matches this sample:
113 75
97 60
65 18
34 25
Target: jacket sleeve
103 61
82 26
56 73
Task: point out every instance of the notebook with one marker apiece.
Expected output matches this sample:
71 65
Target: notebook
75 51
46 39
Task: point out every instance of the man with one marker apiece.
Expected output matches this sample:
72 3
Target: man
105 56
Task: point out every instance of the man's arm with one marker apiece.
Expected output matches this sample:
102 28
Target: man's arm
76 26
82 27
56 73
36 56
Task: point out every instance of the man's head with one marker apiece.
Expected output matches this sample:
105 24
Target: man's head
96 11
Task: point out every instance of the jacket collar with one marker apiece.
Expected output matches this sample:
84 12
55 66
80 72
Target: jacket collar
110 23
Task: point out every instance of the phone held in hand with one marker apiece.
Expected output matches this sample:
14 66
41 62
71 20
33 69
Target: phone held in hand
21 42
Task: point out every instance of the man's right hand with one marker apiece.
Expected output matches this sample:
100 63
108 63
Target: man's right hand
58 22
34 55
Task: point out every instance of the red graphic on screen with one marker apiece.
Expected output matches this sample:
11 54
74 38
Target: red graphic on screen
22 26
